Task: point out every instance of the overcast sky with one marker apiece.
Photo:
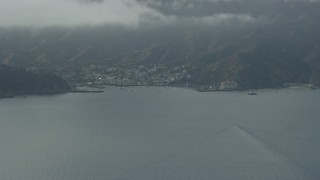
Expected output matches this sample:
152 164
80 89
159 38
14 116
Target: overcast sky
40 13
69 12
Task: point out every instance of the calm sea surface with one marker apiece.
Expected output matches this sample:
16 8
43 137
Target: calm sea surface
157 133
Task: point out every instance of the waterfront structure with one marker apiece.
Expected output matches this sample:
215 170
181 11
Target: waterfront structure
228 85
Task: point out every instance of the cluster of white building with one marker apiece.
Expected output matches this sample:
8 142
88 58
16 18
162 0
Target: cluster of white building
229 85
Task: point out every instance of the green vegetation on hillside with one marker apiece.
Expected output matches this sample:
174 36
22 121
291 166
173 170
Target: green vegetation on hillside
14 81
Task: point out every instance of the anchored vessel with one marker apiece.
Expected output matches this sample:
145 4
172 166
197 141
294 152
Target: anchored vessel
252 93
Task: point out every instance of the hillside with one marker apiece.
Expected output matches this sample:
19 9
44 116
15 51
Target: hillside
258 44
15 81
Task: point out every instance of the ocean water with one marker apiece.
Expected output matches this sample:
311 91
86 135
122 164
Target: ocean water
159 133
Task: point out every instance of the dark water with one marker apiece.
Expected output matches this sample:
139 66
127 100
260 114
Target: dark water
148 133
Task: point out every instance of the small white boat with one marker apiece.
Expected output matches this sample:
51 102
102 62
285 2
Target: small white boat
252 93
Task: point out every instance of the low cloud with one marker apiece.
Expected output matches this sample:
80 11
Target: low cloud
225 18
39 13
132 13
92 1
216 20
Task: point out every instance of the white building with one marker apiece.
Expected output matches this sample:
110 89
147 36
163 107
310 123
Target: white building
229 85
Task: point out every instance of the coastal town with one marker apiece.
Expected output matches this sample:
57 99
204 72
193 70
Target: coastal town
99 76
143 75
151 75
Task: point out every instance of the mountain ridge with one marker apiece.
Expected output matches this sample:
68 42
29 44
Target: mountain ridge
279 45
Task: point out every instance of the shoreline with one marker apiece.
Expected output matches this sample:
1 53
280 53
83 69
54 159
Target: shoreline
98 90
85 91
193 87
15 94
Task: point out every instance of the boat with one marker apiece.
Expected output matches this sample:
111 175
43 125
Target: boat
252 93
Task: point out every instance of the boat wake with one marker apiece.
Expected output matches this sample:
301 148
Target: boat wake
235 152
